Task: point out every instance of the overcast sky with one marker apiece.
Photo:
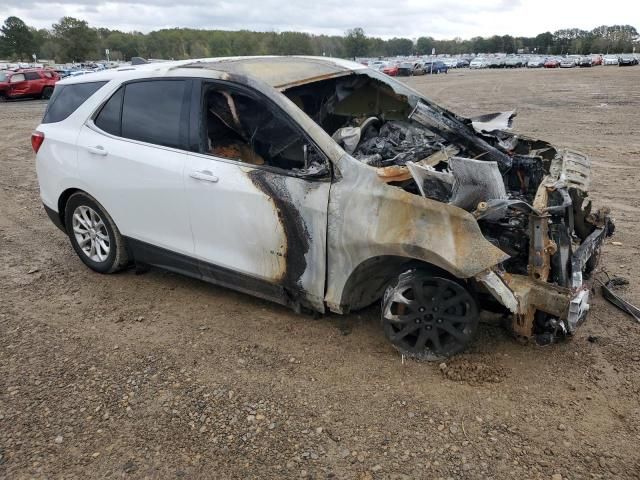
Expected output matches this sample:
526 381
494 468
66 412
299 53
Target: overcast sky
441 19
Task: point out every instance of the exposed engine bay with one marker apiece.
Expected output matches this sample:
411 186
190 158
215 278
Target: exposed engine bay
529 198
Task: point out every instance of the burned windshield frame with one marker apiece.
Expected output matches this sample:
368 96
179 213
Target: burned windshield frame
316 170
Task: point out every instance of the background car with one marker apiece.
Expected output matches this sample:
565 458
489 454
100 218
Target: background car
478 62
377 64
551 62
435 67
610 60
451 62
407 69
32 83
391 70
535 62
585 62
513 62
596 59
496 62
627 60
567 62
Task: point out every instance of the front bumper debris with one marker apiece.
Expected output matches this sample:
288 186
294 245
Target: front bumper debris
565 239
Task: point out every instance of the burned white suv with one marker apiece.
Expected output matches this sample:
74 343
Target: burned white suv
322 185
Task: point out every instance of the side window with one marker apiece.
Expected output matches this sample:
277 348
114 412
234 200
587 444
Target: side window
17 77
154 112
241 127
31 76
67 98
108 119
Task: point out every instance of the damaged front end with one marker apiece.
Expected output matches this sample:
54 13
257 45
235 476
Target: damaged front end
528 198
530 201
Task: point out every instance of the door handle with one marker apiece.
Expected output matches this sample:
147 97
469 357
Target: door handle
97 150
205 175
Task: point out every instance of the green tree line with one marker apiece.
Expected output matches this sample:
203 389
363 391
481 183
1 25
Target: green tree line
74 40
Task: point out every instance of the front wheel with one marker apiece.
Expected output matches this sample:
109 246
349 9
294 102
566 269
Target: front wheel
428 317
47 92
93 234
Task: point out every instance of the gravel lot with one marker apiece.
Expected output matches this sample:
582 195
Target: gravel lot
160 376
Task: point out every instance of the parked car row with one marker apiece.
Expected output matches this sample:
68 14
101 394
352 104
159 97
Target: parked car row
420 66
409 68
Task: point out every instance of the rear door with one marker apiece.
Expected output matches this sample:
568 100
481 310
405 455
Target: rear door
258 215
132 157
34 83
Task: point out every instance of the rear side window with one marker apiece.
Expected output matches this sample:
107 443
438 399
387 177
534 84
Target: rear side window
156 112
31 76
67 98
108 118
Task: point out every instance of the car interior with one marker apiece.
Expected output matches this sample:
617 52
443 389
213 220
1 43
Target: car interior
241 127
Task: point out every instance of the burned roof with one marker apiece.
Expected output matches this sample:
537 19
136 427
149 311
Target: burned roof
281 72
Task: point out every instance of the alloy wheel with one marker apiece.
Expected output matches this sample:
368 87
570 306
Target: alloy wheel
91 233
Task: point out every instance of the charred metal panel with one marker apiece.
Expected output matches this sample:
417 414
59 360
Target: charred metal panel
368 218
301 211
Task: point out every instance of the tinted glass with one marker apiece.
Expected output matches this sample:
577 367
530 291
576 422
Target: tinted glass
67 98
109 117
31 75
152 112
3 77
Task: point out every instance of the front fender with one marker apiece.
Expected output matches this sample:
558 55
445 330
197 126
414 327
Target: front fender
368 218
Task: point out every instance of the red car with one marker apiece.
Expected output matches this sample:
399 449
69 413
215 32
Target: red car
552 63
391 70
32 82
4 84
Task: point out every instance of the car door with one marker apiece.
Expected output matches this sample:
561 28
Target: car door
18 85
132 156
34 83
259 219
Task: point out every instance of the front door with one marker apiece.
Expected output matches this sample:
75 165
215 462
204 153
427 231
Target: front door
258 217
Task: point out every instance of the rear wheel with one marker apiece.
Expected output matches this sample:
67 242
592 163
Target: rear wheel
93 234
428 317
47 92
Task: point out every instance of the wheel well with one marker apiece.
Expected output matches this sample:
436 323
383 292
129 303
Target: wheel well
62 203
368 281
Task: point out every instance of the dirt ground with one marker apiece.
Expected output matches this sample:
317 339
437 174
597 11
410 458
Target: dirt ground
161 376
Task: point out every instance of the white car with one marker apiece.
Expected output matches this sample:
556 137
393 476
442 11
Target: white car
610 60
479 63
279 177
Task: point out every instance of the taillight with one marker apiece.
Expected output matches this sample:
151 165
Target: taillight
36 140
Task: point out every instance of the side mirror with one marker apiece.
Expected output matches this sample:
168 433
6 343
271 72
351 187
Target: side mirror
314 166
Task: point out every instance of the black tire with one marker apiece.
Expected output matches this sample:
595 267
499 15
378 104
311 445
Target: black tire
428 316
3 98
46 93
116 257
